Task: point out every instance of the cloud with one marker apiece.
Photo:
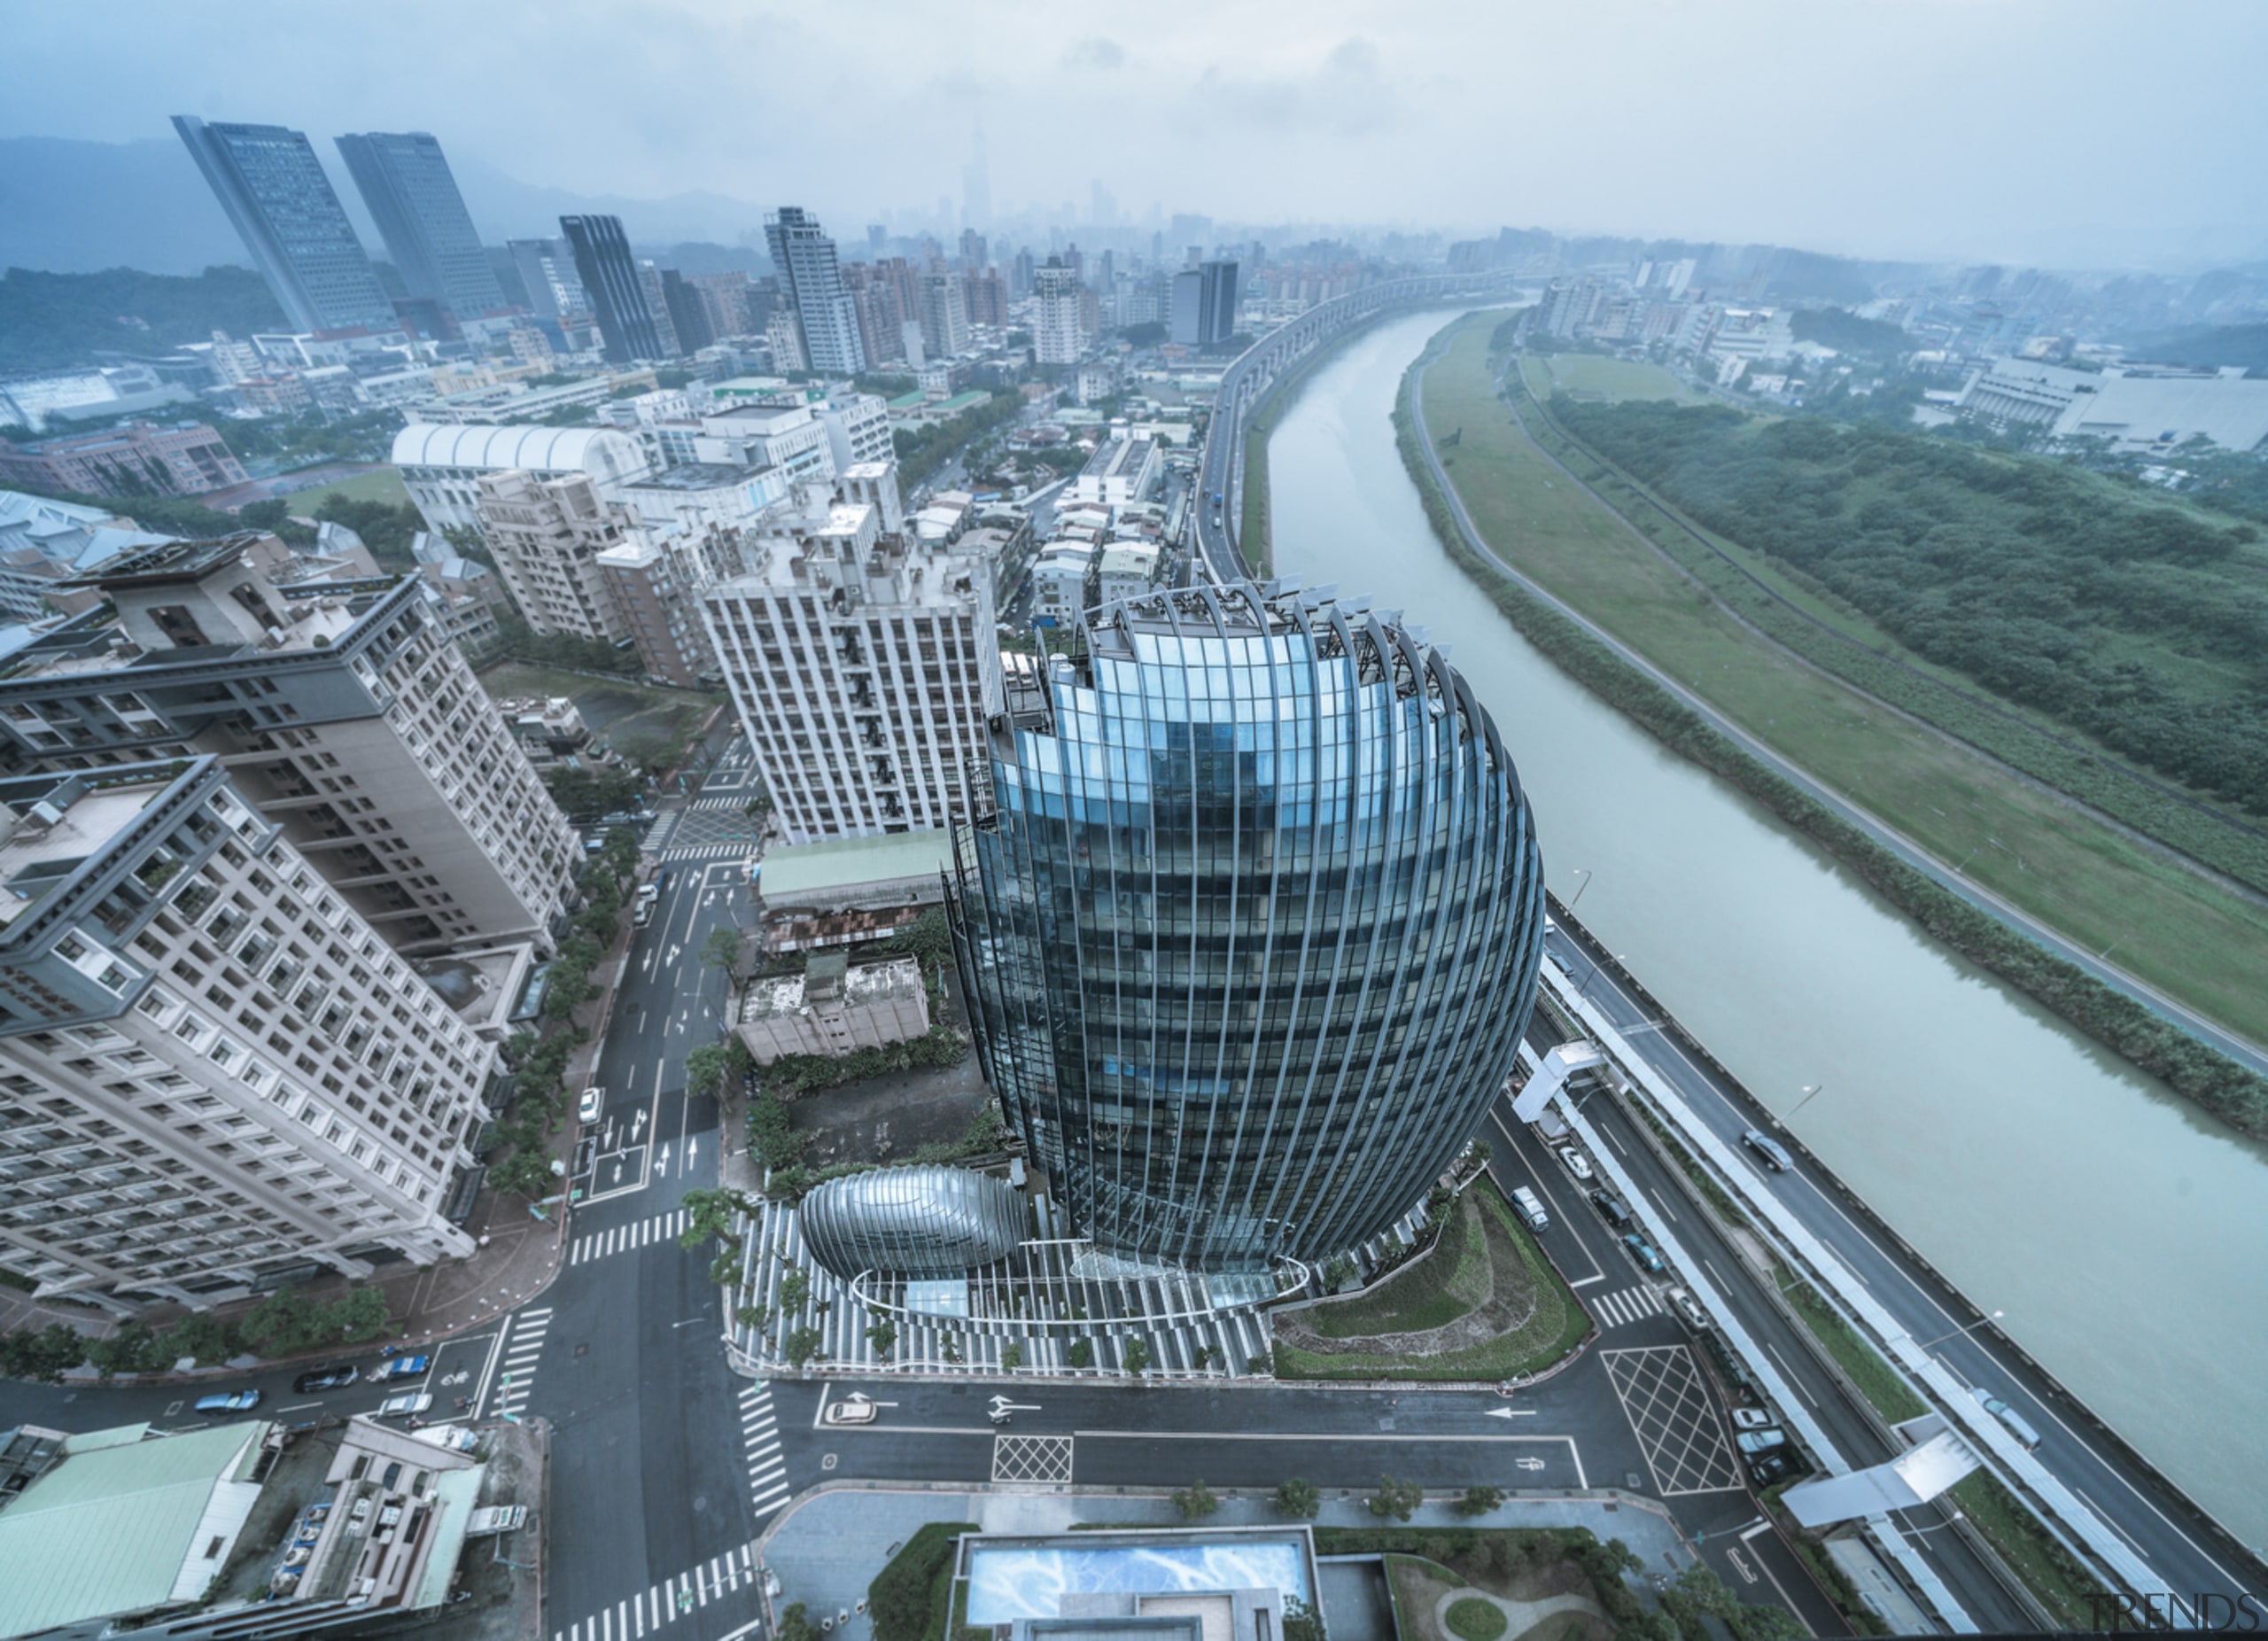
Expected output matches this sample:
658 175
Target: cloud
1348 93
1097 52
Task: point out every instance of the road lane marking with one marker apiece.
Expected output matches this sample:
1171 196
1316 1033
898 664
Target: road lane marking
1793 1377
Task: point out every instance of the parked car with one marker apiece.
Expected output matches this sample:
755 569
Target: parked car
1760 1441
409 1401
1774 1464
1578 1164
229 1402
1773 1154
1687 1307
1531 1208
406 1367
1643 1251
1751 1418
337 1377
1611 1208
2018 1425
641 914
594 1102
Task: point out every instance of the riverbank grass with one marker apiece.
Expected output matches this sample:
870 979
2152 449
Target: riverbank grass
1595 376
2176 930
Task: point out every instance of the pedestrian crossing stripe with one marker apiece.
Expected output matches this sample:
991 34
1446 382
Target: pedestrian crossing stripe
1627 1305
523 1349
768 1466
621 1239
663 1604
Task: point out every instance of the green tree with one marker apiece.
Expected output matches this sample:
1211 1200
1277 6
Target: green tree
48 1354
1396 1499
360 1314
133 1349
704 1069
882 1334
1082 1353
1478 1501
1195 1501
796 1625
526 1173
207 1338
802 1345
710 1212
1301 1623
1137 1355
1012 1356
722 949
281 1322
794 1289
1299 1496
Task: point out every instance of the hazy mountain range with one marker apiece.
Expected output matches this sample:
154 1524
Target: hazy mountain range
72 207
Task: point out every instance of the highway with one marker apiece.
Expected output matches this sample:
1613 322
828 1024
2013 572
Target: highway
2190 1553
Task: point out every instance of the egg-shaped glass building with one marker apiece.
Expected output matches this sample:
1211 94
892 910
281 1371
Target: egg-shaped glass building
1254 927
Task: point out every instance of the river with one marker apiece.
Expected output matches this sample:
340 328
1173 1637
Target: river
2123 1234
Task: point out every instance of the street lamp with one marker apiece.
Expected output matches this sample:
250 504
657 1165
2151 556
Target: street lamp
1585 872
1957 1332
1811 1091
1595 968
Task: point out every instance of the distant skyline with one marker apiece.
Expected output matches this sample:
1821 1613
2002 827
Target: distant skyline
1972 130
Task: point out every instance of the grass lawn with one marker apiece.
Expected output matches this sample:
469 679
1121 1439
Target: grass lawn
1593 376
2172 928
647 725
1439 1287
380 484
1555 1328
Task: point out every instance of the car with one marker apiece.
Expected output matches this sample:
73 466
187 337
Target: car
334 1378
1751 1418
641 914
648 893
1776 1464
1760 1441
2018 1425
1578 1164
409 1401
1773 1154
229 1402
404 1368
1610 1207
855 1410
1643 1251
594 1102
1694 1316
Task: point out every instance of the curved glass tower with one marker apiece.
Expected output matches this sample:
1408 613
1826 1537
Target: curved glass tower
1253 928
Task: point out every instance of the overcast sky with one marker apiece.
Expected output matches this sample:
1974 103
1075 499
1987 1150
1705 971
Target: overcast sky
1975 129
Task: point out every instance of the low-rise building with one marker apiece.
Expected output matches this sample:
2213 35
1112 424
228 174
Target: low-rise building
834 1009
1059 581
138 458
656 587
848 890
443 463
1126 570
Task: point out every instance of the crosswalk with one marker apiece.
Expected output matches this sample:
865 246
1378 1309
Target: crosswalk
728 802
621 1239
767 1470
703 851
1627 1305
674 1597
515 1373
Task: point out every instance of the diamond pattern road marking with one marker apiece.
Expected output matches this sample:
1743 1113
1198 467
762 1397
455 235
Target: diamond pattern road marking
1667 1405
1032 1459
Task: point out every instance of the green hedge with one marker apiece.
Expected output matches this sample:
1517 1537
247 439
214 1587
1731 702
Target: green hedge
911 1598
2211 1079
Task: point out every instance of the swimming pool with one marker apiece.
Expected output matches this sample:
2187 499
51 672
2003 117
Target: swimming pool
1009 1582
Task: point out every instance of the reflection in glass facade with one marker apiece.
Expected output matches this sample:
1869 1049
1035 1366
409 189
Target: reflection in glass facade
921 1221
1254 929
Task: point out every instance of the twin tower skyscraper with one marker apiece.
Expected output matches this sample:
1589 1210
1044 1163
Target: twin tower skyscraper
281 205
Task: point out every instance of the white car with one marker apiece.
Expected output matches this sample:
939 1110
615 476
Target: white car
1752 1419
1578 1164
855 1411
409 1401
594 1102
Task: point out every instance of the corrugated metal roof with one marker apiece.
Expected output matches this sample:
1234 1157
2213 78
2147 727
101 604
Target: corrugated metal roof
107 1529
538 449
802 868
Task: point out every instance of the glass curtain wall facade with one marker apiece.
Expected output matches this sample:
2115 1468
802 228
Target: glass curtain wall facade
405 181
1254 926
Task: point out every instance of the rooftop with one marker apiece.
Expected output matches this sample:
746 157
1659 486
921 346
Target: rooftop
39 853
804 869
828 976
112 1527
699 476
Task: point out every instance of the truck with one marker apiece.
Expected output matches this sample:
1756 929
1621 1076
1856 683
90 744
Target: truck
490 1520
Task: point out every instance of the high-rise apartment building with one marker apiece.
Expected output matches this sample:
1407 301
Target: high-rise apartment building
1252 927
345 714
547 270
547 535
212 1069
1021 272
655 588
972 250
944 314
1205 305
689 315
810 278
881 327
283 206
987 300
1059 331
608 275
653 287
405 180
729 302
783 333
864 669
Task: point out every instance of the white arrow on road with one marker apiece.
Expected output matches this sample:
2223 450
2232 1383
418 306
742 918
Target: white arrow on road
664 1160
1001 1404
1509 1412
692 1150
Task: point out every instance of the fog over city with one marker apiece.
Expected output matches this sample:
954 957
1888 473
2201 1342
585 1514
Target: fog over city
2076 135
